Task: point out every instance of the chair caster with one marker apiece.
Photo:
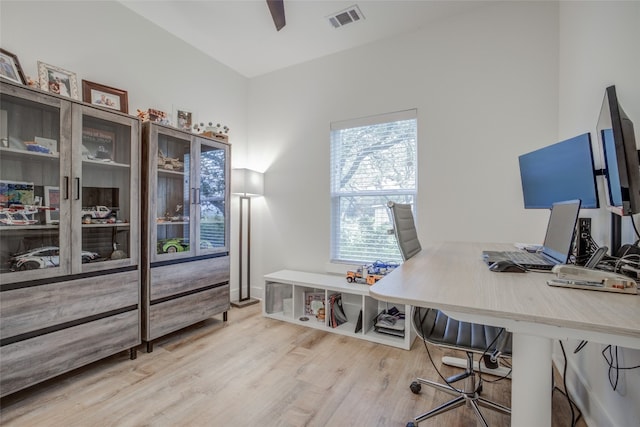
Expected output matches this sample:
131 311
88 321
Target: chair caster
411 424
415 389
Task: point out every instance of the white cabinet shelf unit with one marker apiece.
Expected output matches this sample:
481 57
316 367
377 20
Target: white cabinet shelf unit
284 299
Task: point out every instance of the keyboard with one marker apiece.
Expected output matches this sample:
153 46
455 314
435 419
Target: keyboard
533 261
522 257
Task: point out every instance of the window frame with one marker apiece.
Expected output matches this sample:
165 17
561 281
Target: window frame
399 195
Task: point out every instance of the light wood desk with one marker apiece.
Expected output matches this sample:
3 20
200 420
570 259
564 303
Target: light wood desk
452 277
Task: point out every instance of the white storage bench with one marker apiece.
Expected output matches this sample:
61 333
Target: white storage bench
284 299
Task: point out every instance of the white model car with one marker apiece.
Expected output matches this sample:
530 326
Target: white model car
98 213
44 257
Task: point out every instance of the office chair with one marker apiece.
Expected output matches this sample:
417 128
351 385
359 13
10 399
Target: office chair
436 328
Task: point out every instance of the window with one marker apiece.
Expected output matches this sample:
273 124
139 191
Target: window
373 160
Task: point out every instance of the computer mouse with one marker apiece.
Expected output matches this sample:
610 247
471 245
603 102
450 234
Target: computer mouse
506 266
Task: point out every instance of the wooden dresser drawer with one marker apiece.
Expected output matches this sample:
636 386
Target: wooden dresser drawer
184 277
37 307
174 314
34 360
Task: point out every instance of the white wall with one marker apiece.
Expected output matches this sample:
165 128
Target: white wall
485 88
599 47
104 42
488 86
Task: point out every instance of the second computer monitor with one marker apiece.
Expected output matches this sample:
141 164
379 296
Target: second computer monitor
562 171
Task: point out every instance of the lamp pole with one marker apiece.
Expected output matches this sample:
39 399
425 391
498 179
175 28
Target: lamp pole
249 183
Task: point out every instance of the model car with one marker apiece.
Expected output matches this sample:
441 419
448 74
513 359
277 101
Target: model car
170 246
44 257
179 244
98 213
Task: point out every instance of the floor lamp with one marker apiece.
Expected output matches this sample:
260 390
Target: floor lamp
246 183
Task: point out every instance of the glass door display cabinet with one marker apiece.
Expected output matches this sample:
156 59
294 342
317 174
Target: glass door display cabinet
69 234
186 275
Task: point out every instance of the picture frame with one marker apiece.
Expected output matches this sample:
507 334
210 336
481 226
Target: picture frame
313 302
157 116
52 201
98 144
58 80
105 96
10 68
184 118
16 193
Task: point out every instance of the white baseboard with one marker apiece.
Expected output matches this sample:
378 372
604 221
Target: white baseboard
593 411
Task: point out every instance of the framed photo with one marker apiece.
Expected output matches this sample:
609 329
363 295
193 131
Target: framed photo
184 118
157 116
52 201
105 96
16 193
313 302
98 144
57 80
10 68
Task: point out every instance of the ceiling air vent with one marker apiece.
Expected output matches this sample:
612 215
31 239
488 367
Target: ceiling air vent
344 17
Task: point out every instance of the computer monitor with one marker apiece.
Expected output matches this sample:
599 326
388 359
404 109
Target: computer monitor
558 172
620 154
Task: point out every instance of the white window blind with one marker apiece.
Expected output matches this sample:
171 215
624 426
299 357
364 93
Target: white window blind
373 160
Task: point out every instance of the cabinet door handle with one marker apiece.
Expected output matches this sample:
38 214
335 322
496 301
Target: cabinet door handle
198 197
66 188
77 180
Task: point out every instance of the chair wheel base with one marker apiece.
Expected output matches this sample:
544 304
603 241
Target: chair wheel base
415 389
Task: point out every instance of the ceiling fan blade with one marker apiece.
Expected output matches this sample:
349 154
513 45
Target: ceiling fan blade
276 7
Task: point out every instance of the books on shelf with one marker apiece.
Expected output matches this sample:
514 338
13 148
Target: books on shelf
359 323
314 305
390 322
336 311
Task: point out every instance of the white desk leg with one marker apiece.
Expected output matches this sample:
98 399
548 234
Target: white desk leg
531 381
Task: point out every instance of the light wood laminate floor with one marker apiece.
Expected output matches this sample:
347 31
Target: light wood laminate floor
252 371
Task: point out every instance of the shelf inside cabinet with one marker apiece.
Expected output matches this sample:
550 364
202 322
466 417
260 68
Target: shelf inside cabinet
21 228
168 172
108 225
18 153
106 163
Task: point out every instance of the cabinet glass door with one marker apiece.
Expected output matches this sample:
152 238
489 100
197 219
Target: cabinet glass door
103 207
174 196
210 202
32 207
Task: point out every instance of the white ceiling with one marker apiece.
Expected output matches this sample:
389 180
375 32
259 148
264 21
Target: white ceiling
241 33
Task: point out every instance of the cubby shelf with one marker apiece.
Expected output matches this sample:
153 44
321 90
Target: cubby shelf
284 300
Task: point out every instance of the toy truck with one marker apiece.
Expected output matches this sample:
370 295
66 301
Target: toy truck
371 273
364 274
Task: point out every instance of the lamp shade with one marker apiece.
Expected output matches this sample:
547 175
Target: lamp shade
247 182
